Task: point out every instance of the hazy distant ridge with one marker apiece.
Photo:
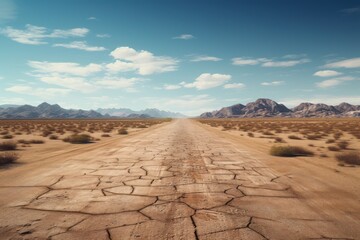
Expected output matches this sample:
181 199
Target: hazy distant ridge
153 112
268 108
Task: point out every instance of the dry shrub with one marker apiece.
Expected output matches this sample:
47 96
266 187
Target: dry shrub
105 135
250 134
36 141
294 137
78 139
343 144
123 131
8 146
349 158
53 137
7 136
289 151
8 157
333 148
330 141
279 140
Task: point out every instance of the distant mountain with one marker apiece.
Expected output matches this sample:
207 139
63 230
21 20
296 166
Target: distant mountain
269 108
152 112
45 110
9 105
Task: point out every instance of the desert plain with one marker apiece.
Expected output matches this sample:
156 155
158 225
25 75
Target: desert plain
180 179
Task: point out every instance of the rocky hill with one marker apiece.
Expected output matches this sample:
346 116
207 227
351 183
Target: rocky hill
45 110
269 108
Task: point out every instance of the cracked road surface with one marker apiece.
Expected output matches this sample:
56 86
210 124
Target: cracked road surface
177 181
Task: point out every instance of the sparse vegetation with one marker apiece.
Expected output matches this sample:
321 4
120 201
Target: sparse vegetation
349 158
294 137
123 131
78 139
333 148
105 135
343 144
8 146
8 157
289 151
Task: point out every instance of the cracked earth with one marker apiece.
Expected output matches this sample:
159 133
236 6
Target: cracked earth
178 181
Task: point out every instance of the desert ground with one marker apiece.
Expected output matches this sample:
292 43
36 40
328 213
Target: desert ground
180 179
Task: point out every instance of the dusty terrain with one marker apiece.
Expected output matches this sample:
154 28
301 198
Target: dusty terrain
177 180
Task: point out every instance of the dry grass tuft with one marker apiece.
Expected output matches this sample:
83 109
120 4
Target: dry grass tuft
78 139
289 151
8 146
8 157
349 158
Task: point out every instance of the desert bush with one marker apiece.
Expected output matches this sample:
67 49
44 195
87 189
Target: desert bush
313 137
53 137
330 141
333 148
294 137
123 131
343 144
289 151
105 135
250 134
78 139
8 146
268 133
323 155
7 136
8 157
349 158
279 140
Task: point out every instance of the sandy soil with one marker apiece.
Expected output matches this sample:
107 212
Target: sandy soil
179 180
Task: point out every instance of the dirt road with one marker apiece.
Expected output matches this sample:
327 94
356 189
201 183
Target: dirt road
178 181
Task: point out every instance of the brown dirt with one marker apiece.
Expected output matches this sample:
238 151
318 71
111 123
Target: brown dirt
179 180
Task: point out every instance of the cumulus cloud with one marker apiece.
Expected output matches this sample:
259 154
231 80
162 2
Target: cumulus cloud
274 83
35 35
184 37
64 68
234 85
203 58
333 82
65 74
207 80
171 86
81 45
265 62
248 61
91 18
143 62
118 83
290 63
347 63
103 35
327 73
38 92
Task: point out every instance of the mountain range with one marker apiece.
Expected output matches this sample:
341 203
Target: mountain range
45 110
153 112
268 108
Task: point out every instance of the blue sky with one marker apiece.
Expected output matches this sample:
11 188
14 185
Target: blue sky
186 56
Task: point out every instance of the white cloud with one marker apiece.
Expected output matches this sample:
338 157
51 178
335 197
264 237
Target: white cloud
351 10
348 63
64 68
118 83
294 56
103 35
144 62
7 10
171 87
265 62
290 63
333 82
1 78
207 80
274 83
202 58
248 61
38 92
327 73
35 35
234 85
81 45
91 18
65 74
184 37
